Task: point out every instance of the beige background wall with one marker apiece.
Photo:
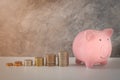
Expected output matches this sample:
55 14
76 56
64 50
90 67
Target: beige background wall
37 27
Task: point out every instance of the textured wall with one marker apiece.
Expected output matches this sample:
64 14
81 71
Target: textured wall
37 27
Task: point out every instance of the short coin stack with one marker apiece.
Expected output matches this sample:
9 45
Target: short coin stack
9 64
28 62
18 63
39 61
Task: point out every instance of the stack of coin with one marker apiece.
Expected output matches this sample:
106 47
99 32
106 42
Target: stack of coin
18 63
39 61
50 60
9 64
28 62
63 58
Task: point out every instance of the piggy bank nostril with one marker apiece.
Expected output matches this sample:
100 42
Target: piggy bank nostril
100 39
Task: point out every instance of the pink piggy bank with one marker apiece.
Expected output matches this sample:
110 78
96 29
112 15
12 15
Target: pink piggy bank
93 47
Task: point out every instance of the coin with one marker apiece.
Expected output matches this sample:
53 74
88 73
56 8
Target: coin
63 58
9 64
18 63
28 62
50 60
39 61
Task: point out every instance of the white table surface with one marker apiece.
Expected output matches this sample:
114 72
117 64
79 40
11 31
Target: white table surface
73 72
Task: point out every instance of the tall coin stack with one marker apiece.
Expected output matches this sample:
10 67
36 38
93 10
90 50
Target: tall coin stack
63 58
39 61
50 60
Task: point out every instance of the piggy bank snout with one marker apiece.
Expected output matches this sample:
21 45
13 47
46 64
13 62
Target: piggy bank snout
104 56
105 51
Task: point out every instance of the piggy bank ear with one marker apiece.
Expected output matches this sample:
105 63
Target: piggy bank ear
90 35
108 31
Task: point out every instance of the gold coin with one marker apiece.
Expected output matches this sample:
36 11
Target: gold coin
9 64
18 63
39 61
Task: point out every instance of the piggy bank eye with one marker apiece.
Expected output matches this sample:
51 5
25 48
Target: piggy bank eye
107 39
100 39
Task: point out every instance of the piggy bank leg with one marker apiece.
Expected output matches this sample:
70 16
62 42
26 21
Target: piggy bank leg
78 61
89 65
103 63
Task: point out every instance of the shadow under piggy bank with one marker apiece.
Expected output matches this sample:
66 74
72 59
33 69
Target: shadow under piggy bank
112 64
